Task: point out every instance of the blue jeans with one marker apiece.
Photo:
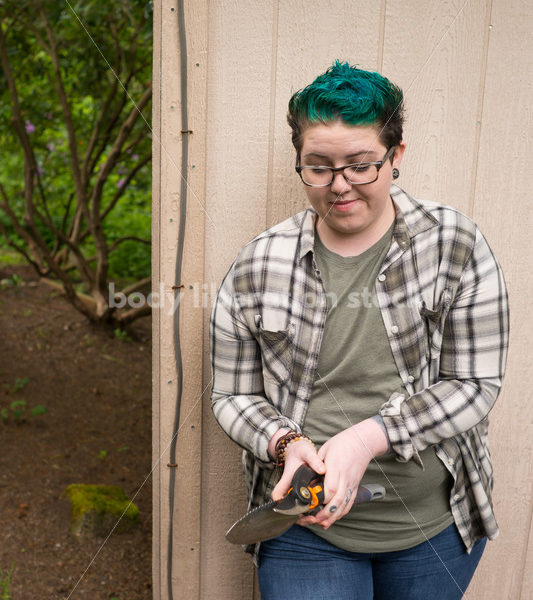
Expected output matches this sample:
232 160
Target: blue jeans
299 564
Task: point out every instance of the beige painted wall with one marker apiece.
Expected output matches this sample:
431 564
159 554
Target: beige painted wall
466 68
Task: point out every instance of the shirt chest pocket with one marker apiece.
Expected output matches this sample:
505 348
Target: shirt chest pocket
277 348
435 319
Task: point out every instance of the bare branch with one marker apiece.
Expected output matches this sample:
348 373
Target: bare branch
35 239
96 196
21 250
130 147
88 163
67 212
131 315
124 187
127 238
86 170
115 151
67 116
16 117
82 264
134 287
108 131
4 204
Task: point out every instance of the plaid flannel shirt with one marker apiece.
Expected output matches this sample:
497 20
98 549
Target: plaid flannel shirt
443 301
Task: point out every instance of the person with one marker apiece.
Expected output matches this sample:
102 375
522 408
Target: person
366 337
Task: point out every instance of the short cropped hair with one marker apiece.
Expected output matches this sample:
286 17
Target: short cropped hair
353 95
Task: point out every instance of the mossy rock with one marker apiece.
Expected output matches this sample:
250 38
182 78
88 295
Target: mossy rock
96 509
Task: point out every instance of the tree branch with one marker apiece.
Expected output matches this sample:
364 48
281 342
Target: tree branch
38 268
115 151
36 239
121 190
4 204
107 133
138 285
86 171
67 113
105 170
131 315
127 238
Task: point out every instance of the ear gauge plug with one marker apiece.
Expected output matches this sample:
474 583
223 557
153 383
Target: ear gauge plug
395 173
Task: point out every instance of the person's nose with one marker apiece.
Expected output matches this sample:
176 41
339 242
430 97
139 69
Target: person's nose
339 185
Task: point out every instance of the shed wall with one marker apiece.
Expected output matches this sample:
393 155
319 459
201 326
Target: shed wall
466 70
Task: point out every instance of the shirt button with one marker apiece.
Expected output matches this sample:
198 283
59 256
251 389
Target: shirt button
410 379
457 497
394 329
382 277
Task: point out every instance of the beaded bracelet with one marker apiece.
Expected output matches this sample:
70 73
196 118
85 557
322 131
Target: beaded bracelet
284 442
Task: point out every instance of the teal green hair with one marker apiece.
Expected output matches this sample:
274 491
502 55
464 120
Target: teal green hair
353 95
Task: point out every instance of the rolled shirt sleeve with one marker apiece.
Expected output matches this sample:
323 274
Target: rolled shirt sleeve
471 368
238 400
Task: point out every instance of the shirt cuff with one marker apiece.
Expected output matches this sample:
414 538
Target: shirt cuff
399 437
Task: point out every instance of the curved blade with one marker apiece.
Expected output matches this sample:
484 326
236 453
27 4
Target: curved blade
275 517
261 524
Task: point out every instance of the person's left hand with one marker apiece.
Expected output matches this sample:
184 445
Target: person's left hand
346 457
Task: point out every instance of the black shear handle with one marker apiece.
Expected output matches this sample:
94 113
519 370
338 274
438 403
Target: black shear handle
305 477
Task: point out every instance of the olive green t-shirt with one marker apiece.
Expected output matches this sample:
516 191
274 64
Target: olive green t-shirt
356 375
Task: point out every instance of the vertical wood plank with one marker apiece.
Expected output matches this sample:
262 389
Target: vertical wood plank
158 521
313 37
168 197
527 578
505 215
238 116
435 52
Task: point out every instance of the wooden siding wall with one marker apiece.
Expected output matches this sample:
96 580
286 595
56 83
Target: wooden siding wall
466 70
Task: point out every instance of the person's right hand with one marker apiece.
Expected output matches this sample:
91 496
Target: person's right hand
297 454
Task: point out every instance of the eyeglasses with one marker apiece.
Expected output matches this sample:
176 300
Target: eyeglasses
357 173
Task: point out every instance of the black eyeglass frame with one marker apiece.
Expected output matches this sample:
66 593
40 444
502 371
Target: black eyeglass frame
378 164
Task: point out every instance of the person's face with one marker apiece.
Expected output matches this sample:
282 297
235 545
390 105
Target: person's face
344 209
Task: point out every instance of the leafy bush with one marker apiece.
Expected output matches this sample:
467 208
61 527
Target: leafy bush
75 144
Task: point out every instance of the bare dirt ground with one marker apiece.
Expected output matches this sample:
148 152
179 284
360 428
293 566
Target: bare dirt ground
95 386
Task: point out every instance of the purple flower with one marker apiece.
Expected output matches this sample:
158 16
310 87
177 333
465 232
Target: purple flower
135 157
50 146
40 170
30 127
121 183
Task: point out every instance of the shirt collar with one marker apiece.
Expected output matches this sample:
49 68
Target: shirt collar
307 235
411 219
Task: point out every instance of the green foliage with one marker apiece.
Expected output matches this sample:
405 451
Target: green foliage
7 256
120 334
40 409
20 384
5 583
101 508
17 410
81 151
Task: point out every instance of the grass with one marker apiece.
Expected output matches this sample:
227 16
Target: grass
11 258
5 583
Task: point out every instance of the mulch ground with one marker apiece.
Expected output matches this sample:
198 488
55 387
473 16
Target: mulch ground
96 388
